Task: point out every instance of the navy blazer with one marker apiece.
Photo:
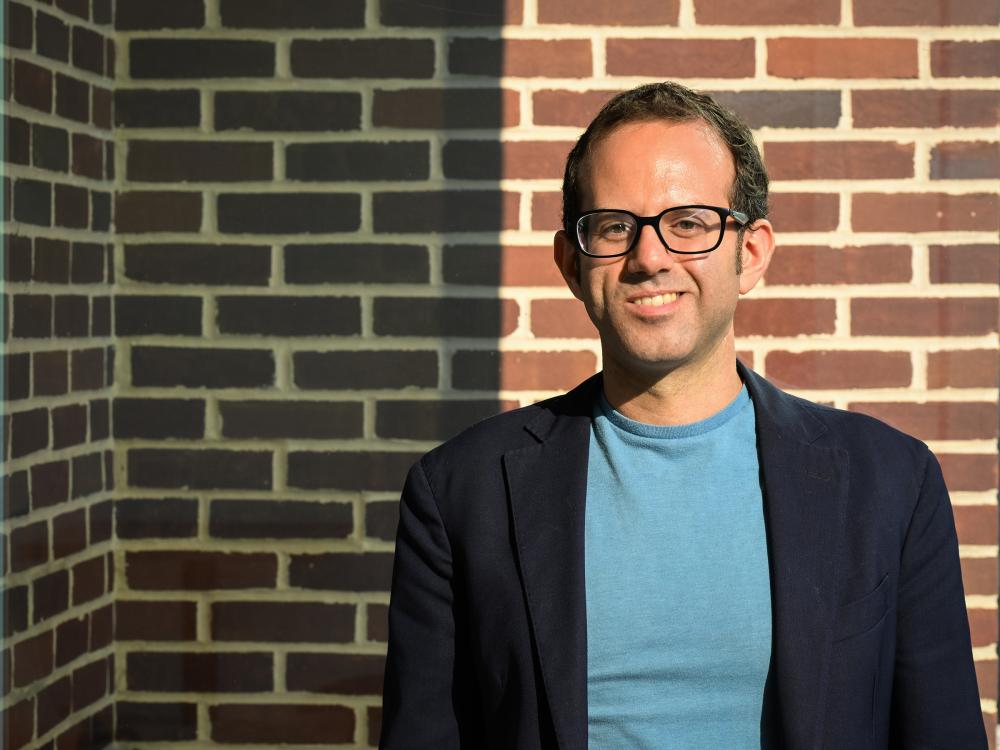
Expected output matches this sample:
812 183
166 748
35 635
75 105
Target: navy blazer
487 621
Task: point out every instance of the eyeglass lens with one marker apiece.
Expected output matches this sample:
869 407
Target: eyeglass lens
685 230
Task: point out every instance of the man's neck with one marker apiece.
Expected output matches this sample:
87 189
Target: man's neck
680 396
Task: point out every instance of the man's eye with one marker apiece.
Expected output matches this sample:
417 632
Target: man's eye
614 231
687 226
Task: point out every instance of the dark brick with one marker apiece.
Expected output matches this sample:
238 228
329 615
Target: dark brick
88 580
49 484
51 373
200 58
32 85
72 316
157 108
49 148
71 640
19 26
381 520
18 260
100 521
51 260
374 471
100 419
445 108
279 519
100 318
15 610
964 264
202 368
925 108
88 50
29 432
18 140
310 622
102 12
289 316
169 518
87 263
363 58
199 469
349 263
87 475
69 533
977 160
69 425
159 418
289 213
100 211
135 15
18 721
365 369
783 109
293 14
29 546
153 722
199 672
87 368
72 98
291 419
220 265
445 211
17 501
353 674
406 160
198 161
72 206
281 723
88 156
961 58
444 316
144 620
101 106
140 315
33 202
452 13
320 111
199 571
90 684
101 627
55 703
342 571
157 211
50 595
430 420
17 371
79 8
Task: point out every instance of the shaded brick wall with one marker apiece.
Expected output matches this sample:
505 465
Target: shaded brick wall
332 232
58 369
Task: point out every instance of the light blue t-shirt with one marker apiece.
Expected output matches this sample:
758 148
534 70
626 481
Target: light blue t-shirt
678 589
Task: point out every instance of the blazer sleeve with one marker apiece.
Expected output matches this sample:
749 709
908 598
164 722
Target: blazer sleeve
935 699
426 693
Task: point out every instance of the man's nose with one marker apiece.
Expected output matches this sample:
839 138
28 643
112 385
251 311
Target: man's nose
650 255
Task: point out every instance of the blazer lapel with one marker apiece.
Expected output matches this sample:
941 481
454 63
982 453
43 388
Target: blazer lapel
547 486
805 491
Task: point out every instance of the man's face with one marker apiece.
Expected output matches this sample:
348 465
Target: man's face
657 311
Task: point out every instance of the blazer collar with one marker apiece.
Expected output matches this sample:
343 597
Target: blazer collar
804 486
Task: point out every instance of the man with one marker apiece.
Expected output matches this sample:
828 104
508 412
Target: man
675 554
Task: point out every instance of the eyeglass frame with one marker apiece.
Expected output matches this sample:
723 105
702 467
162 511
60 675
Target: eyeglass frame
654 221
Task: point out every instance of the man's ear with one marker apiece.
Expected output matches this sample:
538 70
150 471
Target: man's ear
757 250
568 260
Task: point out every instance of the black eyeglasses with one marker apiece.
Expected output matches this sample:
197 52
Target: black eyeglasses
687 230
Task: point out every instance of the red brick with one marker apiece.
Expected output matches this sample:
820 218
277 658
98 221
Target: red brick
986 677
158 211
767 12
925 108
520 58
785 317
965 472
32 85
280 724
143 620
968 264
805 212
90 684
950 59
71 640
571 108
966 368
199 571
681 58
507 266
839 369
923 316
983 626
843 160
925 12
842 58
561 318
55 702
873 264
622 13
521 371
976 524
18 722
519 160
936 420
925 212
33 659
88 580
546 211
964 160
979 574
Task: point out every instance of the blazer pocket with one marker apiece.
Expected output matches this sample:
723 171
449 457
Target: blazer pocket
861 615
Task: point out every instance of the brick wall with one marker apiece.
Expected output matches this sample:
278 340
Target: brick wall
59 360
332 232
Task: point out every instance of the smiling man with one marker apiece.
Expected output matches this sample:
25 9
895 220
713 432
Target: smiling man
675 554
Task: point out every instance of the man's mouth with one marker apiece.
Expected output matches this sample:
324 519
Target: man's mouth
656 300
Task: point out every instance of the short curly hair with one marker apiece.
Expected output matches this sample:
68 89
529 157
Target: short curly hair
674 103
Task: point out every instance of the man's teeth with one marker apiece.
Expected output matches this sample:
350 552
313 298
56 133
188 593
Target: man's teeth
659 299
